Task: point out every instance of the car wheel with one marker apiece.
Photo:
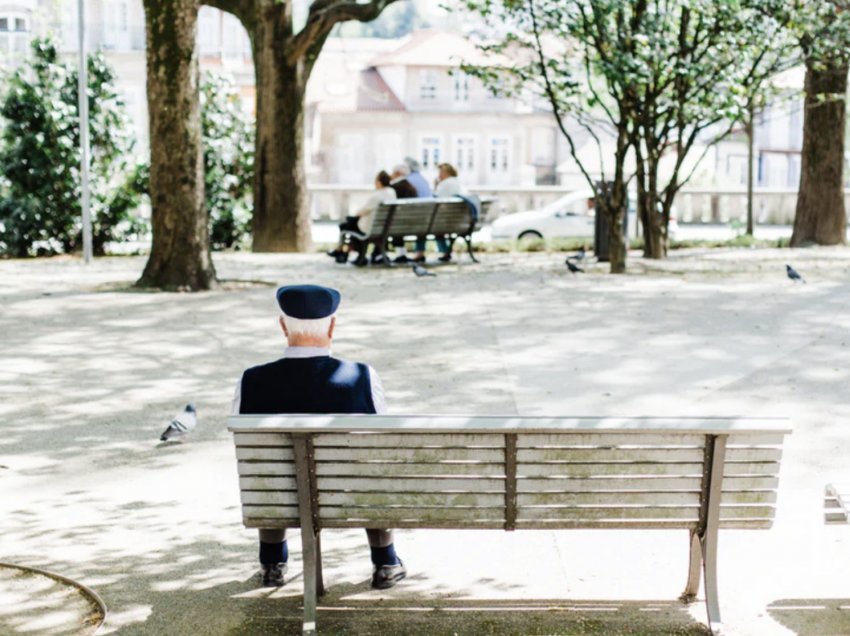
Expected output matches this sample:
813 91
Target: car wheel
530 235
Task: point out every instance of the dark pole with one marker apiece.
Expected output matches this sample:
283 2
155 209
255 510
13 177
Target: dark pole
750 158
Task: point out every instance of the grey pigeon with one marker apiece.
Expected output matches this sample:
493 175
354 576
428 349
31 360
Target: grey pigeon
421 271
184 422
578 256
793 274
573 267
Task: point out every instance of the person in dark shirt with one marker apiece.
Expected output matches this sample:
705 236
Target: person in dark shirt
308 380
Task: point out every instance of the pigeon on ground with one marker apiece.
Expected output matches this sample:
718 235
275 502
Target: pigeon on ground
578 256
573 267
184 422
421 271
793 274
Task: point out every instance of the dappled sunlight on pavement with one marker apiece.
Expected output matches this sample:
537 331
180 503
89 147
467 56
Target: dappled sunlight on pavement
91 371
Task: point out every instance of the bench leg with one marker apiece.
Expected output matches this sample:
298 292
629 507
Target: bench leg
320 580
469 249
709 557
309 552
694 569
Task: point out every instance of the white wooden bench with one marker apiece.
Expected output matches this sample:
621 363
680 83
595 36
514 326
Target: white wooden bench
358 471
422 218
836 503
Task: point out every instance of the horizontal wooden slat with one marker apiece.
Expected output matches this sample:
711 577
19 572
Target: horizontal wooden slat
590 485
755 439
538 455
270 512
751 468
480 524
750 483
407 440
753 455
445 469
748 497
609 498
746 524
609 439
265 438
389 515
266 468
270 497
476 499
426 484
504 424
265 453
611 524
261 522
682 513
418 455
600 470
747 512
267 483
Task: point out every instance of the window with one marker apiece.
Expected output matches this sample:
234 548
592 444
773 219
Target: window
499 154
465 153
427 84
461 87
430 152
20 25
4 24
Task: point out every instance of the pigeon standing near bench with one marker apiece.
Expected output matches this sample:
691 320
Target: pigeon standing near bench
794 275
573 267
184 422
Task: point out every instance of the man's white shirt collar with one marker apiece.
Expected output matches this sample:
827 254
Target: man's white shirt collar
306 352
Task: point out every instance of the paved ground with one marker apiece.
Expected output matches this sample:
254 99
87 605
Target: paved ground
90 372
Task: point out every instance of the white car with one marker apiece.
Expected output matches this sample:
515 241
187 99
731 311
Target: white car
571 215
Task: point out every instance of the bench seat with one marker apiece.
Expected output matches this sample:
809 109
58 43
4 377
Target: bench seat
354 471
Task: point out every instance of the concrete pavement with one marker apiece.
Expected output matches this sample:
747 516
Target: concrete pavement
91 371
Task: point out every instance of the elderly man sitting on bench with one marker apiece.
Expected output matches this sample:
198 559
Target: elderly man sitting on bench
308 380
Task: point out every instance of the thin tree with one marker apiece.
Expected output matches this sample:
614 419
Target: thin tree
283 61
180 251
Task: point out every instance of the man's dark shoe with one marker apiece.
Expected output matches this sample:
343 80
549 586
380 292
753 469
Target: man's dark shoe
273 574
342 257
419 259
334 253
445 258
401 259
386 576
361 261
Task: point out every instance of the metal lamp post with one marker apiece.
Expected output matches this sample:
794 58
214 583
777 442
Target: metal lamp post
84 136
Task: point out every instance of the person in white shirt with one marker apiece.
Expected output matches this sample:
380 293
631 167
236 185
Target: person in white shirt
361 222
447 185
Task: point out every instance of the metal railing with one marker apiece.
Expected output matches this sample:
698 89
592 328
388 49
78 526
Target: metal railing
693 205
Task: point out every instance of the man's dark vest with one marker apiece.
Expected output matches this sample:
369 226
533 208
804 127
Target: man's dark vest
307 385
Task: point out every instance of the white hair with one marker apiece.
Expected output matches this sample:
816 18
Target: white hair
317 327
402 169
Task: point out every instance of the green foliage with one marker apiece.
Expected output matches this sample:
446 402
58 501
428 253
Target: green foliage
40 194
228 138
640 78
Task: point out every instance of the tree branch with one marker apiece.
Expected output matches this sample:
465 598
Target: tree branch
324 14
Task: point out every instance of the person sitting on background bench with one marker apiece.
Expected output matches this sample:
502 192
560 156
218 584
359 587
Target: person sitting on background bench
447 185
308 380
361 223
417 179
404 189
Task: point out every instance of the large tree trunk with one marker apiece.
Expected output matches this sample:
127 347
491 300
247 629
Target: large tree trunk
281 221
820 216
180 253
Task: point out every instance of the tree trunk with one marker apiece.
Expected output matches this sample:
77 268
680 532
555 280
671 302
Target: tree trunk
820 216
180 253
281 221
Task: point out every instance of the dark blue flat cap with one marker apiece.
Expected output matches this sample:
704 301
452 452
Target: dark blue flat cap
308 302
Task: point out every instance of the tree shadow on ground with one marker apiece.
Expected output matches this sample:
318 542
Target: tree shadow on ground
813 616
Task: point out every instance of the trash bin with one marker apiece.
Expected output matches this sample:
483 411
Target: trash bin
601 240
